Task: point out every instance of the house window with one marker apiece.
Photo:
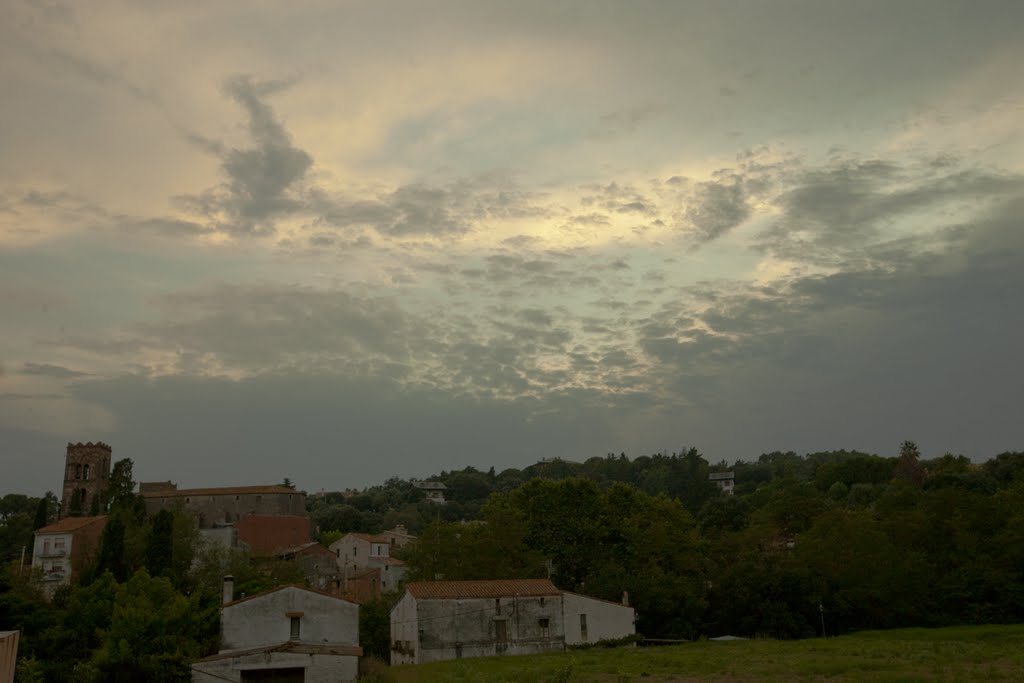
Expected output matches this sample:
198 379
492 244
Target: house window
497 605
583 627
542 601
85 473
78 471
544 624
295 628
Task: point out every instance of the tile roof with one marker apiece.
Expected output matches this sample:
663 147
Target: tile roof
371 538
69 524
222 491
497 588
281 588
267 535
298 646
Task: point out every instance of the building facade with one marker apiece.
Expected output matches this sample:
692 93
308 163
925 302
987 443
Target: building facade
86 475
588 620
357 552
725 481
225 505
62 550
440 620
287 634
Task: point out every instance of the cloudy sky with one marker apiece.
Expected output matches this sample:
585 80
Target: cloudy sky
342 241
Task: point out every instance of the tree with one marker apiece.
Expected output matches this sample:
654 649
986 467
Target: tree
908 469
375 628
120 493
160 543
155 632
42 517
112 550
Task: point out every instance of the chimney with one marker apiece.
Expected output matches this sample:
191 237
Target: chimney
229 589
625 598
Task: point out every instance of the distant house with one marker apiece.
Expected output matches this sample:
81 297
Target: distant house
317 564
62 550
724 480
439 620
399 537
355 552
287 634
434 491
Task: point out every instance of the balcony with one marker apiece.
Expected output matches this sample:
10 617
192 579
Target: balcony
54 575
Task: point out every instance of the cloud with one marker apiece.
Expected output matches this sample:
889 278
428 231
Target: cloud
718 207
48 370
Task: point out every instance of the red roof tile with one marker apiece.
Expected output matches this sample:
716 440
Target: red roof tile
268 535
69 524
498 588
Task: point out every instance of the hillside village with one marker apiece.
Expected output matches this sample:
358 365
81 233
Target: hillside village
291 586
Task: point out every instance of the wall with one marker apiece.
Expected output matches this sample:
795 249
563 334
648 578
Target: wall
467 628
8 655
95 456
605 620
355 551
263 620
319 668
404 631
229 507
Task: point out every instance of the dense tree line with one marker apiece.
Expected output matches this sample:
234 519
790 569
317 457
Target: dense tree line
847 538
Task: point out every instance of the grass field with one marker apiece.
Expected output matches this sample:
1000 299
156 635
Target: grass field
991 653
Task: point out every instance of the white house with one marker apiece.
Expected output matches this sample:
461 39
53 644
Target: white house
724 480
434 491
63 549
588 620
290 633
438 620
356 552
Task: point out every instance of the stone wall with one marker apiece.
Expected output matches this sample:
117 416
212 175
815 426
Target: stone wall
87 469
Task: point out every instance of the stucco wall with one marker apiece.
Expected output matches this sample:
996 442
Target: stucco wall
404 631
450 629
263 620
605 620
319 668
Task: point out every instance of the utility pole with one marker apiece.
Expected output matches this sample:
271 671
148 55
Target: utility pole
21 566
821 611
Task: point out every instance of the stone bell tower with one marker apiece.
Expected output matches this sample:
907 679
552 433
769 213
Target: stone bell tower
86 474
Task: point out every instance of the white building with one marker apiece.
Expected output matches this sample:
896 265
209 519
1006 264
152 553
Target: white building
439 620
286 634
356 552
724 480
588 620
63 549
434 491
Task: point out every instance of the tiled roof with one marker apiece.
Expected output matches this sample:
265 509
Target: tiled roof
281 588
719 476
223 491
297 646
268 535
69 524
370 538
498 588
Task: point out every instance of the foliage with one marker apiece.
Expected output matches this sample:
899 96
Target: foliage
375 628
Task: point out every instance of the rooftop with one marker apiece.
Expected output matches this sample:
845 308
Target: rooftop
223 491
497 588
69 524
719 476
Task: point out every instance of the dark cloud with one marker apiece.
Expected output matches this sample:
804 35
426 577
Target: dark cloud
261 181
718 208
48 370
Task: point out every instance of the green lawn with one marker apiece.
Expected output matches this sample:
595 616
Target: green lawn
990 653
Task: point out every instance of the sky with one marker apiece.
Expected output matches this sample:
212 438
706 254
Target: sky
341 241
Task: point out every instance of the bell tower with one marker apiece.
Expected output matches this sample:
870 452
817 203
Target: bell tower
86 474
